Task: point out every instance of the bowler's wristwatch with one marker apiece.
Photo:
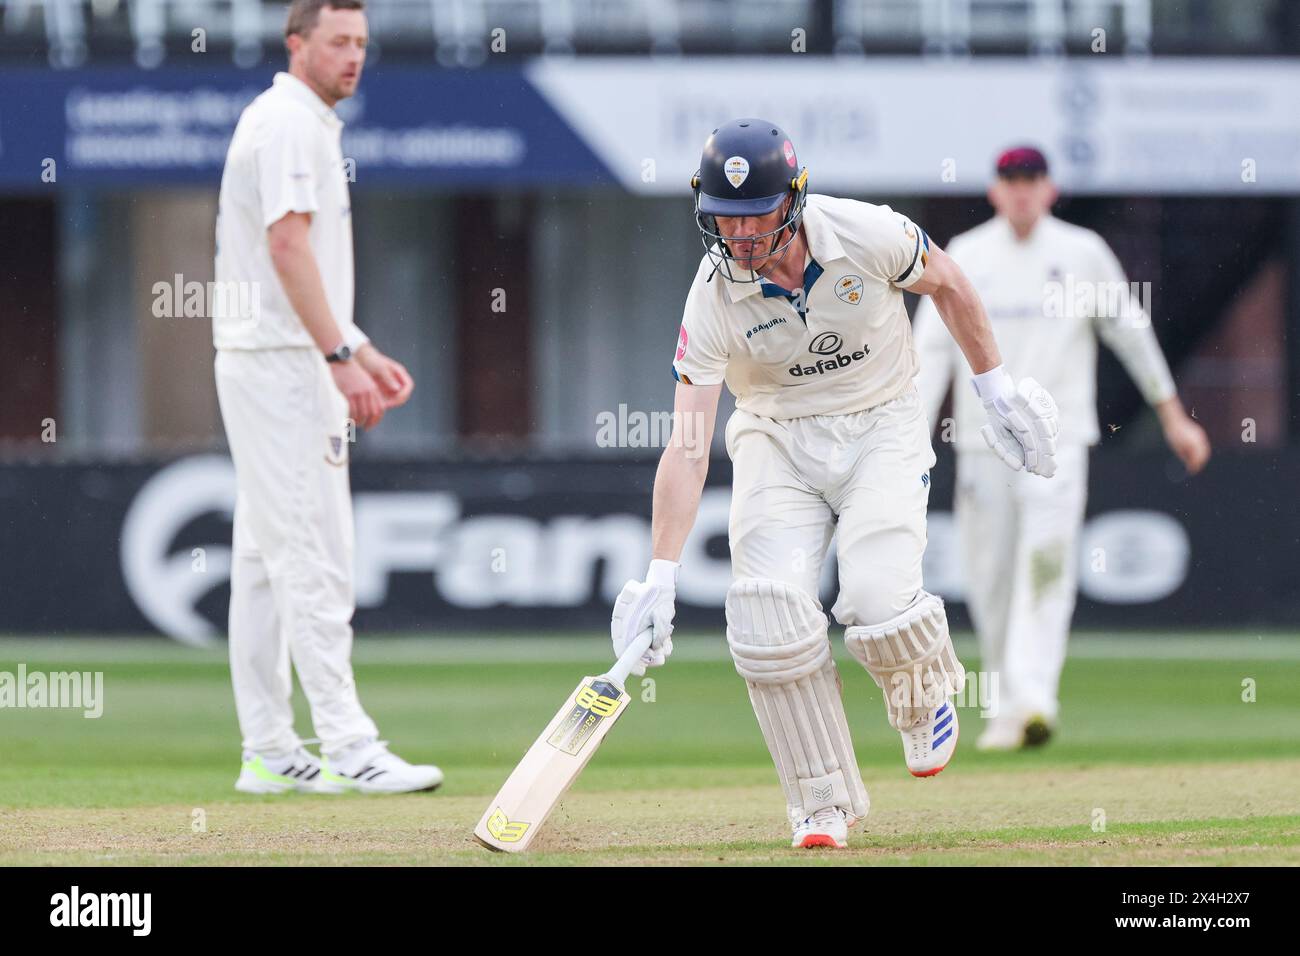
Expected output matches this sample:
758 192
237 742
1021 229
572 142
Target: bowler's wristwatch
340 354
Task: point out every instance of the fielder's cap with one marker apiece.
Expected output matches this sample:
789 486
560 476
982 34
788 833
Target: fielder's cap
1022 161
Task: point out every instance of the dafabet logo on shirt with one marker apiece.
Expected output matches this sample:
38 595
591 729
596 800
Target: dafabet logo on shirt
829 344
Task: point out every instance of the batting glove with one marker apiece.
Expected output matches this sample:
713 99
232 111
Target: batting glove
1023 421
656 613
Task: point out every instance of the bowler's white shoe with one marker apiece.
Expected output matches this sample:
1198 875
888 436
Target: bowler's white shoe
298 771
929 745
1002 733
369 767
828 826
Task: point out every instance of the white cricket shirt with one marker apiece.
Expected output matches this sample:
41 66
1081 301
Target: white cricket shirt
851 346
1048 299
285 156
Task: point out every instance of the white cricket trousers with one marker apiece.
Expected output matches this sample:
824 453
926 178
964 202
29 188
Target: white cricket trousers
291 591
1019 542
862 476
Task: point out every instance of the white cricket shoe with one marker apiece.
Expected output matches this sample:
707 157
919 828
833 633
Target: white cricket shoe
298 771
828 826
370 767
929 745
1002 733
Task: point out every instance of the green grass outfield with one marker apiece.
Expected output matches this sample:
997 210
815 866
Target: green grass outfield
1156 739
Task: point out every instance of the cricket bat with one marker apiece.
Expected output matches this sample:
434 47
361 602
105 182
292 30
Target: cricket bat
555 759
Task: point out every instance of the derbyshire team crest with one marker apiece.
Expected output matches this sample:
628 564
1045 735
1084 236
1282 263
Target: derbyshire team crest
737 170
849 289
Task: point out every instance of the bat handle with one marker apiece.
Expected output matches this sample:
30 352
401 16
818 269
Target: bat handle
623 666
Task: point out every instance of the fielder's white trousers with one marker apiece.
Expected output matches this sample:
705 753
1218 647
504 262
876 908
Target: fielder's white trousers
862 476
1019 541
291 572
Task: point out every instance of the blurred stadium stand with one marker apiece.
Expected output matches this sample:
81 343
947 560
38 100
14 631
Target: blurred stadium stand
578 258
457 32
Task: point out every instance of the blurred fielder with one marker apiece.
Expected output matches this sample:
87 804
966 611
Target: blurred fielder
290 381
798 307
1051 290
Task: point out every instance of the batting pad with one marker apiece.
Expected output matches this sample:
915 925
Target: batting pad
911 659
778 641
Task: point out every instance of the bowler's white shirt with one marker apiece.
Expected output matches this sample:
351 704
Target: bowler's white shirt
1046 300
285 156
850 350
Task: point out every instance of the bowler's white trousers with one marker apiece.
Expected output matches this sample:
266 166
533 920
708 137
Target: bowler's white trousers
862 476
291 592
1019 543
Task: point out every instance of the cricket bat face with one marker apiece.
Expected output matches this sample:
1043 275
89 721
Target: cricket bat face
552 763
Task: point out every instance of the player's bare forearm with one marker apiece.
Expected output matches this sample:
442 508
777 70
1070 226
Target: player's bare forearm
958 304
679 481
295 264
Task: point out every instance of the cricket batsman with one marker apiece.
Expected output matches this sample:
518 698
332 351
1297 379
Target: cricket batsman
798 307
291 380
1051 289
